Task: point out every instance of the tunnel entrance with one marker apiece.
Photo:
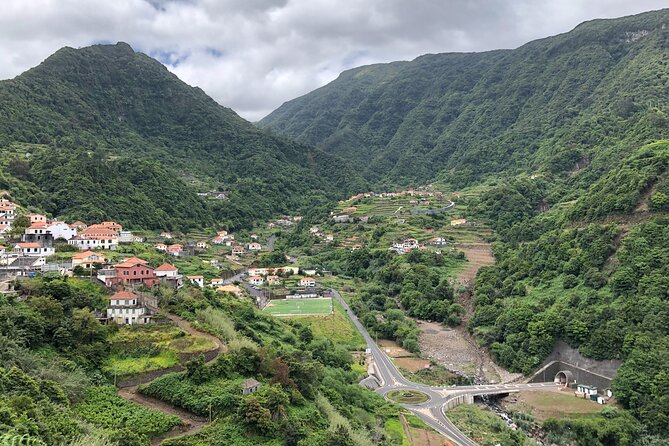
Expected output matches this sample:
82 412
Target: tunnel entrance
564 378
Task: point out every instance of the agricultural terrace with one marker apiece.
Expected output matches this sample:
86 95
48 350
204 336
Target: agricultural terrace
321 306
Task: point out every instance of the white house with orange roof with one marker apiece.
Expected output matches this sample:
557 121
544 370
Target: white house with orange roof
255 271
167 270
87 259
217 240
254 246
196 280
308 282
217 282
256 280
30 249
274 280
127 308
176 250
7 210
90 242
161 247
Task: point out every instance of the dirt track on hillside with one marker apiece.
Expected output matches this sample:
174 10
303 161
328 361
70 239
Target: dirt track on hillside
190 423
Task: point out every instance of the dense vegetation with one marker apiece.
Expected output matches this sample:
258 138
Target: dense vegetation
73 128
573 101
309 393
51 348
591 273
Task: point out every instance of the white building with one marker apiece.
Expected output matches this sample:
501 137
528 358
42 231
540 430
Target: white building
33 249
126 308
308 282
60 229
256 280
255 246
196 280
167 270
92 242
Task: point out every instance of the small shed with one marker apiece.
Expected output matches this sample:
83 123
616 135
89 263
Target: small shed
250 386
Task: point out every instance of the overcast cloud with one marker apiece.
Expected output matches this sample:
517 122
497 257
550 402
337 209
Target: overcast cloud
252 55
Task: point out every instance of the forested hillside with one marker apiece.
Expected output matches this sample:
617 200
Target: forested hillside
578 99
121 107
568 134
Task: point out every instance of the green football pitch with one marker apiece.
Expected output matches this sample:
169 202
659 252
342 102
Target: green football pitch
300 307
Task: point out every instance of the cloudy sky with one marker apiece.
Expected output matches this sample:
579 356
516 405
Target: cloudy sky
252 55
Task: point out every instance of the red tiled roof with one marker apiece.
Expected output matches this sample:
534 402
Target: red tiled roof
28 245
37 225
135 260
195 277
124 295
166 267
83 255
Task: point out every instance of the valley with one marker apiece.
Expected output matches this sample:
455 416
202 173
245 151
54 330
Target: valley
463 249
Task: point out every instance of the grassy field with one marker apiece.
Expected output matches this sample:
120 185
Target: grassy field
150 347
300 307
544 405
337 328
123 366
393 426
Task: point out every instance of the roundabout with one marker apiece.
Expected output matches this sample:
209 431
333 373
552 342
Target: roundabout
408 396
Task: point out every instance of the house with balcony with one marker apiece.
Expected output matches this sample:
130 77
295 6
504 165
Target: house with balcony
128 308
129 273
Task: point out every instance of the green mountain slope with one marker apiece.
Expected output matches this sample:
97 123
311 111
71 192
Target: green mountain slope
115 102
570 133
581 96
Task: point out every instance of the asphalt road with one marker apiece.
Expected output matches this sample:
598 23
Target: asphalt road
432 411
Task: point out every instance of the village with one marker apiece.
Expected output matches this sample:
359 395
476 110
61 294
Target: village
96 250
41 245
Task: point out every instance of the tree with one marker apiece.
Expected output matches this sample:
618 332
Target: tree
305 334
339 436
281 373
254 414
196 370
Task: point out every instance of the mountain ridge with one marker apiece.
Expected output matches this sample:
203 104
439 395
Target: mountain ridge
438 116
109 98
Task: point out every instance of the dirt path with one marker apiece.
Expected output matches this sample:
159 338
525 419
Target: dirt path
187 327
454 348
190 423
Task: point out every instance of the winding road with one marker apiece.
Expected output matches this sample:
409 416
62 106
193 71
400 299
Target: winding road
432 411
